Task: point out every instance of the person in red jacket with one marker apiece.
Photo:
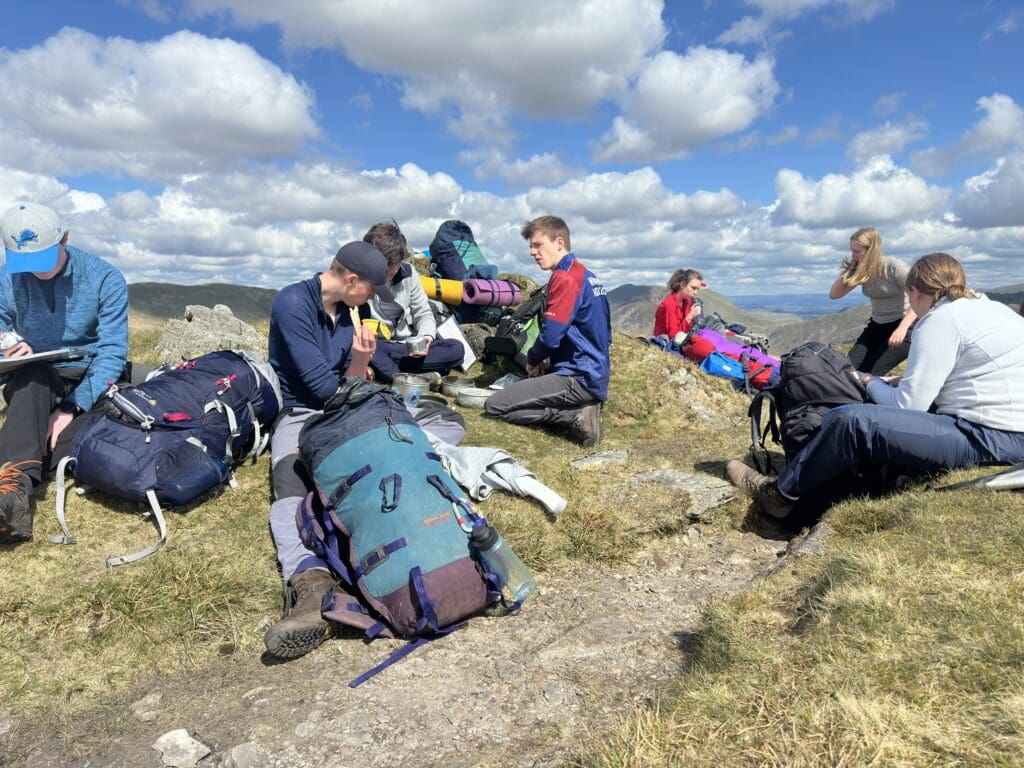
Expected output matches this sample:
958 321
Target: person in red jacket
677 311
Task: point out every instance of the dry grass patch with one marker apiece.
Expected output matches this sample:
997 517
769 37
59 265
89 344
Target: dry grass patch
904 645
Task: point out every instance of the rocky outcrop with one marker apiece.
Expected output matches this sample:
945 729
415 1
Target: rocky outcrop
205 330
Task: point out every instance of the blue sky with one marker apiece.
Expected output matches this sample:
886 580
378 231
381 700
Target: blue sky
245 140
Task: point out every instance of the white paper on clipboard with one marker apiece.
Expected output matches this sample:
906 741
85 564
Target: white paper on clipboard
53 356
449 329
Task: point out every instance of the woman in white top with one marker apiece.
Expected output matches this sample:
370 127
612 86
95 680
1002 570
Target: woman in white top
960 402
885 341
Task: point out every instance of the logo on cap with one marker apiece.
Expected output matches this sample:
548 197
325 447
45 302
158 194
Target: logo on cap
26 236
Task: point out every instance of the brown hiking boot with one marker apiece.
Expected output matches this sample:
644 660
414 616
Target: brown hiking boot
761 487
17 506
301 628
586 428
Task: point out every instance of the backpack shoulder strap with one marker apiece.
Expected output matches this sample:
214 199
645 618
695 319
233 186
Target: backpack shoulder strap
758 435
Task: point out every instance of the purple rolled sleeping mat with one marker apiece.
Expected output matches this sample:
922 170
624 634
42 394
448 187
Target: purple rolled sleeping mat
724 345
493 293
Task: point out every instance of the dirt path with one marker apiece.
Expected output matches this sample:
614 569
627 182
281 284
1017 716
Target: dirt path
528 690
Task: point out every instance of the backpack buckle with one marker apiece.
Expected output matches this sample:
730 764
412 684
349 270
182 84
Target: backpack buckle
373 558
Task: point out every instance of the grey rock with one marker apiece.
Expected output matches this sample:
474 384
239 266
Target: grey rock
305 729
147 708
705 492
600 459
703 412
247 755
206 330
814 542
179 750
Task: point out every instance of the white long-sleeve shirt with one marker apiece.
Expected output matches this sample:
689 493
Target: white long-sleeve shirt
967 357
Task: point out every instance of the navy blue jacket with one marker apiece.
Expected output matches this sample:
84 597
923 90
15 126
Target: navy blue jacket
308 352
576 331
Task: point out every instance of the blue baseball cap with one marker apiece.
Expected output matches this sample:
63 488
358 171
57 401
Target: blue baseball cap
369 263
31 235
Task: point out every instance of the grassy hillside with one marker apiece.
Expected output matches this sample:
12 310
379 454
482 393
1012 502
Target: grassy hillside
161 301
633 309
836 328
901 645
74 636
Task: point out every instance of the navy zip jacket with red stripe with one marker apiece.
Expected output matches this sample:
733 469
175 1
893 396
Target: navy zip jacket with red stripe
576 331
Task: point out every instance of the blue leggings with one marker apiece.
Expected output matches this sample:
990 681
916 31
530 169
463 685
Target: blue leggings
853 437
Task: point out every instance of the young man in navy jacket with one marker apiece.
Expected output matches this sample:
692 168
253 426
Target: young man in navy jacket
569 364
313 343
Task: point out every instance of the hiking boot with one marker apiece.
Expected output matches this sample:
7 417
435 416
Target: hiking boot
586 428
17 506
762 488
301 628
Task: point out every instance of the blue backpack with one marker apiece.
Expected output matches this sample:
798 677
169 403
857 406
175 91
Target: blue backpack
173 437
718 364
389 520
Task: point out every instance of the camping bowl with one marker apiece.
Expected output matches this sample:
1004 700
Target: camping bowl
410 383
473 397
450 385
415 345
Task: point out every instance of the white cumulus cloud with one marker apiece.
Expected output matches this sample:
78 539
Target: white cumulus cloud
1001 128
887 139
681 101
147 109
994 198
878 191
544 58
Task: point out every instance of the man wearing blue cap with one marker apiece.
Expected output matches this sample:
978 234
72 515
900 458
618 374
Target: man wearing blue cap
52 296
315 339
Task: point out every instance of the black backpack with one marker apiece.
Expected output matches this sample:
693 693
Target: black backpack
813 379
515 334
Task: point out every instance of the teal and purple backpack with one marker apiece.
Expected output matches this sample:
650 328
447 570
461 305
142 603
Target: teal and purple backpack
390 522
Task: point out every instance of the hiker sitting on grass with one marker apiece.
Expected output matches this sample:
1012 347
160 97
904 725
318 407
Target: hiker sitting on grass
313 342
675 315
407 315
568 364
966 359
52 296
885 341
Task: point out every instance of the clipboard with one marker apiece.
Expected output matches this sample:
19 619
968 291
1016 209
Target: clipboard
53 356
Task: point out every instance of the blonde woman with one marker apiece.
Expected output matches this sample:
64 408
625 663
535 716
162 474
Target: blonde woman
967 361
885 341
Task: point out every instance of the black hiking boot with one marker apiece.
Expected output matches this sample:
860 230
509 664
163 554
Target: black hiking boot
17 505
586 428
761 487
301 628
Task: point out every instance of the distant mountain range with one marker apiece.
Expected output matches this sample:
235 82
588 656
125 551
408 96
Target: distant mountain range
164 301
632 310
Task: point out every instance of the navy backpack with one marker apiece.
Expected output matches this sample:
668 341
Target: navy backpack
173 437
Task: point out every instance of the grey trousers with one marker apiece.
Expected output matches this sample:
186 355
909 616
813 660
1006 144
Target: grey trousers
290 483
550 400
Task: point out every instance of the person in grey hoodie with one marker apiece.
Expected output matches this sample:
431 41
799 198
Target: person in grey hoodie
407 315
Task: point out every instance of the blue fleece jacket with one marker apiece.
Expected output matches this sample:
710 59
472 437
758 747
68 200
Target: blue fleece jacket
308 352
576 330
85 307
